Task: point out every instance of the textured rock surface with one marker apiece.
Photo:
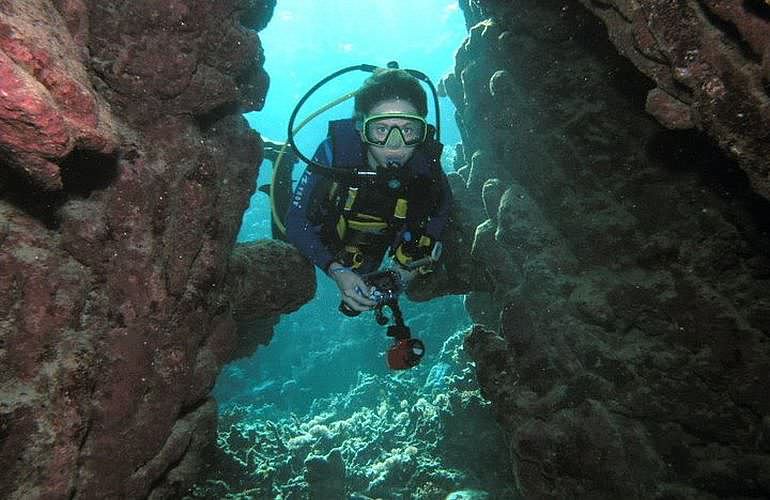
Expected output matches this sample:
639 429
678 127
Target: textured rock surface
47 105
268 277
623 337
124 171
710 60
265 279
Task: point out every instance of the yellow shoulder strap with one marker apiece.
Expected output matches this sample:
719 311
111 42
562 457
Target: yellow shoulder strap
401 208
351 199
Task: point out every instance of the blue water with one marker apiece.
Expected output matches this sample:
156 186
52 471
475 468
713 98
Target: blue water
322 367
307 40
299 54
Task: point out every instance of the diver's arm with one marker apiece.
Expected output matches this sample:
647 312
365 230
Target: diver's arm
440 216
300 232
409 247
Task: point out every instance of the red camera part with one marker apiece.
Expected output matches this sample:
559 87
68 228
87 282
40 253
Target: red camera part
405 354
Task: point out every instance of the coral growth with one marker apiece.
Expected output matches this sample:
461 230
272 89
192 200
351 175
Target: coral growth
423 434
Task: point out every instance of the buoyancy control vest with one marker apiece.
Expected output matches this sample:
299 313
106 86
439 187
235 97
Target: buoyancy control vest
360 221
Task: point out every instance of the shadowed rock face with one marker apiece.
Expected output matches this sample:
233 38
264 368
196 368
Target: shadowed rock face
125 167
265 279
623 333
710 61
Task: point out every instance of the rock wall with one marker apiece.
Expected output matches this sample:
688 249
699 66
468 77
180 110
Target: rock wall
710 61
623 332
125 168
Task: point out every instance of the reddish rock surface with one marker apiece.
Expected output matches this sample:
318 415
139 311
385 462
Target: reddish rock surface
623 335
125 167
47 104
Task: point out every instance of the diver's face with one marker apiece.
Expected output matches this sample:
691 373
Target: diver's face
395 151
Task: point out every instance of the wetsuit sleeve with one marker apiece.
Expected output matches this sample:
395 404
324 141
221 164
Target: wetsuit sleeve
440 216
300 232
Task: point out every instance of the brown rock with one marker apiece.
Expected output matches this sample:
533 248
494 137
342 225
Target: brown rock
113 323
627 261
46 108
266 278
669 111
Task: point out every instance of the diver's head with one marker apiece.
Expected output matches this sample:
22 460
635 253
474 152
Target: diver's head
390 110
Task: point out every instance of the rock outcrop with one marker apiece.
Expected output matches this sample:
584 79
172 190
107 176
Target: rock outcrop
125 167
710 61
623 332
619 268
265 279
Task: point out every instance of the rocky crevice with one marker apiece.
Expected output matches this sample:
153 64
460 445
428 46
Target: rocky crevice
618 270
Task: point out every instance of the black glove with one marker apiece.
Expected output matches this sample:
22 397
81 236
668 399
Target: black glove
414 249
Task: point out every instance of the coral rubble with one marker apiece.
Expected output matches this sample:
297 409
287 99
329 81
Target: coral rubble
424 434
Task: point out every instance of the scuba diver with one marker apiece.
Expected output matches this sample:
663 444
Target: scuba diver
375 185
346 228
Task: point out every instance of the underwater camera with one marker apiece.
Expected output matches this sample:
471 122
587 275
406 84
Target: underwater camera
406 352
387 287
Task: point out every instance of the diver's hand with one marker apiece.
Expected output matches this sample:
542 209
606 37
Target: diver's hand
353 290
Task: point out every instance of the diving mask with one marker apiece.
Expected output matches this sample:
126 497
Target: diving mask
394 130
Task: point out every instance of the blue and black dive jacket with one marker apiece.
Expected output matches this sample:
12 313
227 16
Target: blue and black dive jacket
355 223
